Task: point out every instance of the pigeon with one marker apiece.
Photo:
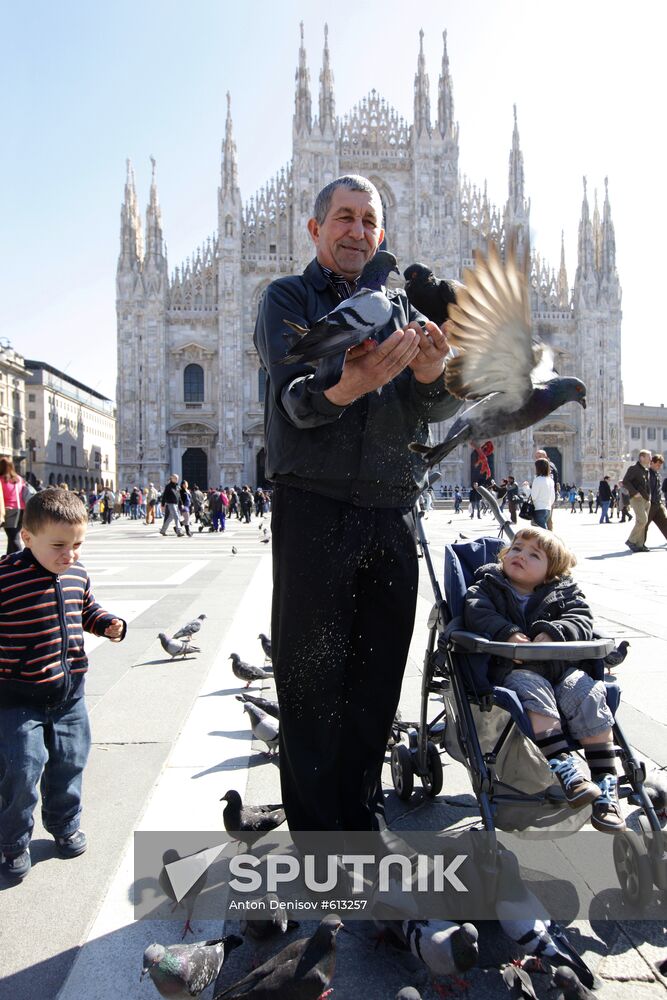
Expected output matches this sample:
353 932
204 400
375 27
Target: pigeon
246 671
176 647
571 987
518 982
524 920
264 728
276 923
186 902
430 295
266 705
508 374
189 629
616 657
364 314
265 541
655 784
661 966
249 819
266 644
302 970
183 971
444 947
234 550
408 993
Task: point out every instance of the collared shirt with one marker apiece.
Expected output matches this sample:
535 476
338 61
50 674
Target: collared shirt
341 285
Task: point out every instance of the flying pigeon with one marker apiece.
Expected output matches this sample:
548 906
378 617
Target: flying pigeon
266 705
176 647
264 728
266 644
276 923
364 314
571 987
249 819
444 947
616 657
430 295
186 902
524 920
499 365
183 971
518 982
408 993
246 671
189 629
303 970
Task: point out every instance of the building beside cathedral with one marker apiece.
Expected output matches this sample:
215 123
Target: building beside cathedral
190 388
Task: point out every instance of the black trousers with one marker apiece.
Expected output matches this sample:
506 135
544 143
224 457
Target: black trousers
344 598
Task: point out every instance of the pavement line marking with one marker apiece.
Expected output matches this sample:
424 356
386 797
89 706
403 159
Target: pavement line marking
128 610
175 580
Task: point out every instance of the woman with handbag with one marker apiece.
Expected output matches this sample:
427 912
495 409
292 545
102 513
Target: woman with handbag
13 487
543 493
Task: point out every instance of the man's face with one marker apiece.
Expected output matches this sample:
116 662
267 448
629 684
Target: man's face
656 466
55 546
350 233
645 460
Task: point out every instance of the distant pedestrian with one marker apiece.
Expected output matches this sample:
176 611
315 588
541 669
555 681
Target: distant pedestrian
12 503
591 500
171 497
543 493
636 480
604 496
474 502
624 503
572 499
553 472
151 503
185 506
458 500
656 514
512 496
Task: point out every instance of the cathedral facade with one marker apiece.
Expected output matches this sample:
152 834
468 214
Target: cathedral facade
190 385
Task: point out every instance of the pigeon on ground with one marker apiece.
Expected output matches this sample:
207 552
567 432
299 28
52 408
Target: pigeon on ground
524 919
264 727
655 784
266 644
183 971
661 966
249 819
189 629
408 993
276 923
499 365
444 947
234 550
303 970
176 647
570 985
270 707
186 902
518 982
616 657
265 541
430 295
364 314
246 671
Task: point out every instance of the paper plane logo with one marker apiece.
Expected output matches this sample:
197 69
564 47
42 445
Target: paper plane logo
183 873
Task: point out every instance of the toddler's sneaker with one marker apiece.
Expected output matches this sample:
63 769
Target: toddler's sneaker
72 846
17 866
607 816
579 791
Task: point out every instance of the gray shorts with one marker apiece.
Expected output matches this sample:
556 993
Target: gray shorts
581 700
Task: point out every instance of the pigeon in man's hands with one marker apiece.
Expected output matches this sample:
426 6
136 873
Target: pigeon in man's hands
364 314
430 295
499 364
176 647
183 971
303 970
266 705
249 819
264 727
246 671
189 629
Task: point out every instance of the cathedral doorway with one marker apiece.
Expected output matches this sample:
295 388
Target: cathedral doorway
557 459
194 465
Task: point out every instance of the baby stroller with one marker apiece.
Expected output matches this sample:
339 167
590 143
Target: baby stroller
205 520
487 730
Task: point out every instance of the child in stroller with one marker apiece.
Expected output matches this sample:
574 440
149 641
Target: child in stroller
530 596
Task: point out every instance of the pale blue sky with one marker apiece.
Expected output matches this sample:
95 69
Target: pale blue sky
87 84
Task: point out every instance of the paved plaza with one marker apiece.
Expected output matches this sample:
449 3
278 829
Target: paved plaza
169 739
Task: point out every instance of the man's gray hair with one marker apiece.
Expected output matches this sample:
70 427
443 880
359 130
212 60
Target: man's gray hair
353 182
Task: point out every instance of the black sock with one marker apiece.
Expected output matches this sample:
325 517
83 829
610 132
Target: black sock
601 759
553 744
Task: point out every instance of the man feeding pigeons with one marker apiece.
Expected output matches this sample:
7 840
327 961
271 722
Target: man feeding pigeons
355 374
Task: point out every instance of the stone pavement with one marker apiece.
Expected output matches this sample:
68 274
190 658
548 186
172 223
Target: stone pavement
169 740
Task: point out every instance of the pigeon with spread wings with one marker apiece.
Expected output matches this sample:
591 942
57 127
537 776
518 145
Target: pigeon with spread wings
499 363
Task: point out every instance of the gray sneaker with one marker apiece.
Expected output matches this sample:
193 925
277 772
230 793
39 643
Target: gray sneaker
579 791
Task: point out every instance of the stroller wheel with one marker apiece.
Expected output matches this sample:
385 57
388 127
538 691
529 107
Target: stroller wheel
633 869
401 771
432 780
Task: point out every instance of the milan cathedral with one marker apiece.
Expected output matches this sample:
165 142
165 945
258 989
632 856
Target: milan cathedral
190 386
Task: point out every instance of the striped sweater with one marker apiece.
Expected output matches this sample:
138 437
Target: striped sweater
42 620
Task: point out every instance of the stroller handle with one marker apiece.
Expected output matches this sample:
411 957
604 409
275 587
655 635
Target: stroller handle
593 649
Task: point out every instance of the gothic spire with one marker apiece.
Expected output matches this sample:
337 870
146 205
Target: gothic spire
229 184
302 121
327 103
422 101
445 94
608 238
131 242
585 247
563 290
516 181
154 240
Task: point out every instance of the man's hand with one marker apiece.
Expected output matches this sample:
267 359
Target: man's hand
114 630
371 365
433 348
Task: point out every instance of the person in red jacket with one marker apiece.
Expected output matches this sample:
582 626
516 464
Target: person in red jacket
45 606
